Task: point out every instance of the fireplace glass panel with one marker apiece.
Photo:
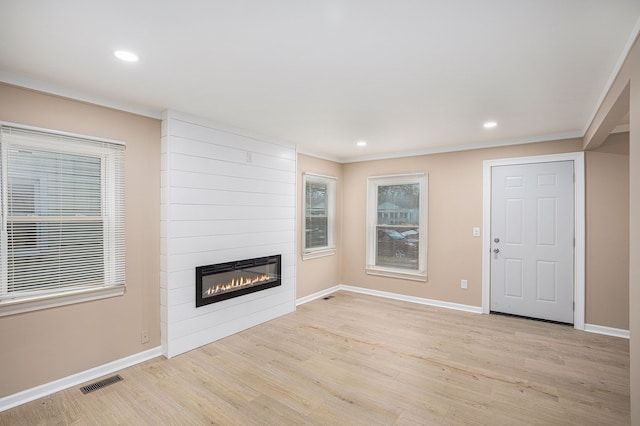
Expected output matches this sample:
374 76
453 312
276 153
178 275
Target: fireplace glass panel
226 280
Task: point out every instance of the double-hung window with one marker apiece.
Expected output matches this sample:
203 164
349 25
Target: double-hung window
397 225
62 214
319 215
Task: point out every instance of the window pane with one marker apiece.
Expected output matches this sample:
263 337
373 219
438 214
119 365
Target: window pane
316 232
45 254
23 199
48 183
316 217
397 232
316 199
397 246
48 255
399 204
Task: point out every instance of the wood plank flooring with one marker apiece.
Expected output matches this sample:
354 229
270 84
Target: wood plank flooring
363 360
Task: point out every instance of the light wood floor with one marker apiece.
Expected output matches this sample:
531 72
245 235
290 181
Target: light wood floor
364 360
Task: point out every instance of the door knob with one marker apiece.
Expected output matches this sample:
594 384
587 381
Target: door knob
496 250
496 240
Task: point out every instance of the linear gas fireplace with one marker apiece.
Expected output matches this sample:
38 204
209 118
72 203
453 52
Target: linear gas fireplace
232 279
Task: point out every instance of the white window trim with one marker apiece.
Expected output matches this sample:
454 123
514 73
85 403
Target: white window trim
18 306
321 252
330 248
373 183
45 301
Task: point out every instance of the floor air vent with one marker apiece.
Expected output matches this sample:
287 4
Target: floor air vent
100 384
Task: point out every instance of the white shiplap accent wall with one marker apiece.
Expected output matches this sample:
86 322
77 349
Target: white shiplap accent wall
225 196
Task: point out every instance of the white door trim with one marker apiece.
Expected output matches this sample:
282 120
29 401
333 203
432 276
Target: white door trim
579 223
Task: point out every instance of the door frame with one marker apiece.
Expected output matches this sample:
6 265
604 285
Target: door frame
579 225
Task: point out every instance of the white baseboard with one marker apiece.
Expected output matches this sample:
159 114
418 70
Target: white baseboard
608 331
317 295
388 295
413 299
28 395
598 329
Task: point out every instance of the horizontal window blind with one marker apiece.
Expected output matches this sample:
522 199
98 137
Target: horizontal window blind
62 214
319 212
316 217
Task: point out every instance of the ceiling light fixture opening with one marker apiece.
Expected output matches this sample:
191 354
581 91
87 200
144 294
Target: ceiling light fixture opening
361 144
489 124
126 56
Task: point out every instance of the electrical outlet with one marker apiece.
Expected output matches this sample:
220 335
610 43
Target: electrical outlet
144 336
476 231
463 284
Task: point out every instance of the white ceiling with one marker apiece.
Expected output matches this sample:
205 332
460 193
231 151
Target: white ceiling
404 75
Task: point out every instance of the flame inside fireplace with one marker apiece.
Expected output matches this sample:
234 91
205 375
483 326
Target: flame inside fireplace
235 284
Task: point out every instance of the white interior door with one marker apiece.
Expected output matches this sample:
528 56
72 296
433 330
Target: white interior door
532 240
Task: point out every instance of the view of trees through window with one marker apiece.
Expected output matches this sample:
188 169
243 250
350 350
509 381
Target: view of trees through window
398 226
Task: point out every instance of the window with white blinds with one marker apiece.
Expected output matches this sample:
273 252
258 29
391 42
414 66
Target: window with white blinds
319 215
62 215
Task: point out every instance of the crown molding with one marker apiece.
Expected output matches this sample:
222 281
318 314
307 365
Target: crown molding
468 147
633 37
78 95
302 150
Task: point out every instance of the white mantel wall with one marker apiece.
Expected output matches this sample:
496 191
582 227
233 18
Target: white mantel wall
225 196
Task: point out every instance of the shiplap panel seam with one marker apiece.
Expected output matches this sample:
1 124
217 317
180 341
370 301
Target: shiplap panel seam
237 155
184 229
215 166
231 327
202 132
182 262
233 313
199 180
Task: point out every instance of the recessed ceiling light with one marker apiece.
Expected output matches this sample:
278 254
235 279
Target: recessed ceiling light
126 56
361 144
489 124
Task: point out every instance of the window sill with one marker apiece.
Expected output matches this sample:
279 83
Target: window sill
318 253
18 306
394 273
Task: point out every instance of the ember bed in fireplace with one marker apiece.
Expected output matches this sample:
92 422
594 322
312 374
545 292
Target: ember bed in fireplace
232 279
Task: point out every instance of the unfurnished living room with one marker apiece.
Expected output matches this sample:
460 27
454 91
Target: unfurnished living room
339 212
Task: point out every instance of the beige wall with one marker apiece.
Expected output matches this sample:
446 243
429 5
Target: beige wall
455 207
42 346
314 275
607 233
625 90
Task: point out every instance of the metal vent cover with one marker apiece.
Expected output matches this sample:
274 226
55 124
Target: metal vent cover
101 383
